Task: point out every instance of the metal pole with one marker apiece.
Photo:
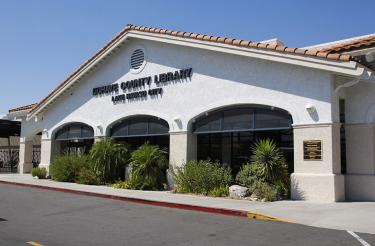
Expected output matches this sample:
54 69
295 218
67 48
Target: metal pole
10 155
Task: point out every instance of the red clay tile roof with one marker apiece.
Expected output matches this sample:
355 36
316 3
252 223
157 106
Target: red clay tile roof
346 46
242 43
22 108
224 40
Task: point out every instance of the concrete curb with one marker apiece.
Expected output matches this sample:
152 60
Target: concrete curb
222 211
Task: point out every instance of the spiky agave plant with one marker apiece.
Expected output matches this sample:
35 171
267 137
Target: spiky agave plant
108 159
148 164
269 162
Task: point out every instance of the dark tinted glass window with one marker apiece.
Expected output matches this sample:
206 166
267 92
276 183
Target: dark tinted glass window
74 131
87 132
238 119
271 119
157 126
63 133
140 126
210 123
242 119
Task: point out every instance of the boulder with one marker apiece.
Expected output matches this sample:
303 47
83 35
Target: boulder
253 197
237 191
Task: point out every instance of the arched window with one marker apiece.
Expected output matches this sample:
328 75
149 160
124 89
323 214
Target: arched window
228 134
243 119
139 126
75 131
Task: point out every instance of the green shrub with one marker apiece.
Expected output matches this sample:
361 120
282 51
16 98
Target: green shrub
41 173
267 173
148 165
122 185
221 191
201 177
247 175
88 176
265 191
66 168
109 159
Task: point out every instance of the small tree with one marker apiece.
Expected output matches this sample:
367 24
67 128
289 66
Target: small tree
267 173
109 159
270 165
148 165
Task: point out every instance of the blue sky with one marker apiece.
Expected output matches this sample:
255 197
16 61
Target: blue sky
42 42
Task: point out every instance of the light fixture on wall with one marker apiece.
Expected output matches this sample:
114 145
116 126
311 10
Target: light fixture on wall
310 108
100 128
45 133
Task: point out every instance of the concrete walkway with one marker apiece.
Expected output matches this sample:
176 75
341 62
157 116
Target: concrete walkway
352 216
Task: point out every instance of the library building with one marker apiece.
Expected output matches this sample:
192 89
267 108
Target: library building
206 97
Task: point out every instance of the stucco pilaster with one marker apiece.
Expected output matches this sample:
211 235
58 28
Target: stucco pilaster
49 150
25 156
182 148
360 161
360 148
318 180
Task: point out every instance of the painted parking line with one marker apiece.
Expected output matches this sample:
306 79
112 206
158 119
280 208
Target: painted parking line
34 243
363 242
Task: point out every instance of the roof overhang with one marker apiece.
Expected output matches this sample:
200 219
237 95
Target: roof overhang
345 68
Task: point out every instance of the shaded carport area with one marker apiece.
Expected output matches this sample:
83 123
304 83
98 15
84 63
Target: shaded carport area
9 145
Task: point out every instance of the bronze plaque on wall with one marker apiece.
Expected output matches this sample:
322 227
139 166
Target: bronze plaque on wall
312 150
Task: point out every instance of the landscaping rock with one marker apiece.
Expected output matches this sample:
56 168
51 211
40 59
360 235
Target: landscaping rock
253 197
237 191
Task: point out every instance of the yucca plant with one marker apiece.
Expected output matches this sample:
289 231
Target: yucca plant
109 159
148 164
269 162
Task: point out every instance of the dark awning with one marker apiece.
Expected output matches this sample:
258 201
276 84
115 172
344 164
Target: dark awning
9 128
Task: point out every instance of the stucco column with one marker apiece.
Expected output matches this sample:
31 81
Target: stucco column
182 148
318 180
49 150
25 156
360 158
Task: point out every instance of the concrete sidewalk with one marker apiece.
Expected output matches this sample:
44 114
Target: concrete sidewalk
353 216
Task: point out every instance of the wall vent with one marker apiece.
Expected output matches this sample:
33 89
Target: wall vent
137 59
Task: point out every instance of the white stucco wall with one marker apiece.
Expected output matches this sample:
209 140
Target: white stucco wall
360 103
360 141
218 80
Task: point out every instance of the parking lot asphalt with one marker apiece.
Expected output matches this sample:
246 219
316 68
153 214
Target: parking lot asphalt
31 216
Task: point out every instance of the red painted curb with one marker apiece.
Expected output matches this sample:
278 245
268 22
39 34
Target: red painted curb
222 211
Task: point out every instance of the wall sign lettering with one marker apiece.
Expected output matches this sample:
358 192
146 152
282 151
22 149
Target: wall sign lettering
134 89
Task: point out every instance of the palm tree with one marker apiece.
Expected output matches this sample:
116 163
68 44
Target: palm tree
148 164
109 159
